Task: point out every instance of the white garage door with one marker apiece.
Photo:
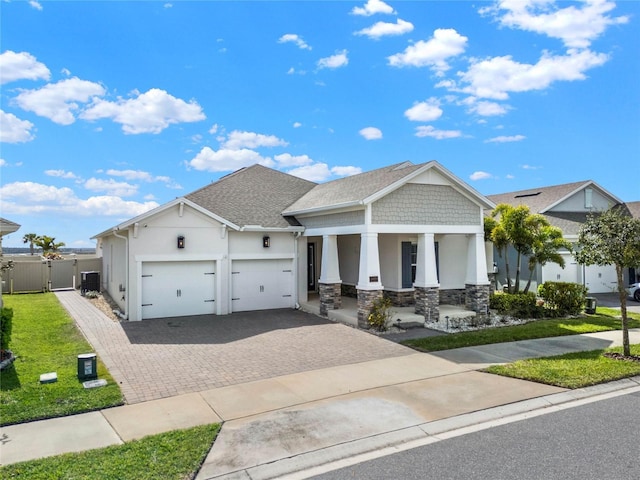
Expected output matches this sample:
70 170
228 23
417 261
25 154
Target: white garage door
552 272
175 289
261 284
600 279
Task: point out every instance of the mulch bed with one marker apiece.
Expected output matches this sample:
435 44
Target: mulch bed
620 356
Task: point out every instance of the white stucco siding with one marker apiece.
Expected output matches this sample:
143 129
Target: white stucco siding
452 259
159 234
251 244
418 204
391 259
114 269
349 256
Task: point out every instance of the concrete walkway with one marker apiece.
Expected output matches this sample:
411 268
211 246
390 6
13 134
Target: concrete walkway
294 422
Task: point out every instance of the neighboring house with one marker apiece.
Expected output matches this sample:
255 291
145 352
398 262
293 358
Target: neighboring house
6 227
567 207
262 239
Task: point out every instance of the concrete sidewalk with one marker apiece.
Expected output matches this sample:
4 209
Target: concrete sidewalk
292 422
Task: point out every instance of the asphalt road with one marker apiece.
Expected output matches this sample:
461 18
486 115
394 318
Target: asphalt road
596 441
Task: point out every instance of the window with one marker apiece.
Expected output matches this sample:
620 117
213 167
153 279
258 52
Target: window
410 261
588 198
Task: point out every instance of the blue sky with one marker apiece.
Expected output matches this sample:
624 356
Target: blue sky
112 108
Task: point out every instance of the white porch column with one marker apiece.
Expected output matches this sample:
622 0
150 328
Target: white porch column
426 272
476 261
330 266
369 274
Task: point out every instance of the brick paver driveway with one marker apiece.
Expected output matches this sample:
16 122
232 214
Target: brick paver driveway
164 357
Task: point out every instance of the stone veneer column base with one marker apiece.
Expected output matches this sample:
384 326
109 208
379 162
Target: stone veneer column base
330 297
365 305
428 303
477 298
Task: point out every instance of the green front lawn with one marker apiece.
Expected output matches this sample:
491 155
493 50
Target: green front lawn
606 319
175 455
572 370
45 339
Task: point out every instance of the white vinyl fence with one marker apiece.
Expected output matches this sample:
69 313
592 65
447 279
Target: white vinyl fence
36 274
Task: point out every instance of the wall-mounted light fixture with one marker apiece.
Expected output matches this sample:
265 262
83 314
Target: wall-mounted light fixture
180 241
266 241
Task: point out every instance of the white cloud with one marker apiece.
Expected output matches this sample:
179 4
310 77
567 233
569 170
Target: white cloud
577 25
14 130
424 111
297 124
506 139
372 7
498 76
168 5
480 175
29 198
237 140
382 29
429 131
346 171
35 5
530 167
484 108
59 101
334 61
317 172
60 174
110 186
149 112
371 133
287 160
296 39
139 175
225 160
21 66
445 43
214 129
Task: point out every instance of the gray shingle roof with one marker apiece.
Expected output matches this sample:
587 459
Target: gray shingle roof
537 199
254 195
634 209
353 189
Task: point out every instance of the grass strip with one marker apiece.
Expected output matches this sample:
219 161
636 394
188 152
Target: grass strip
174 455
572 370
605 320
45 339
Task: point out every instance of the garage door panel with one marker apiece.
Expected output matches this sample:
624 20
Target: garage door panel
173 289
261 284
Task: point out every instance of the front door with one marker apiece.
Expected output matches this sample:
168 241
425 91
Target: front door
311 267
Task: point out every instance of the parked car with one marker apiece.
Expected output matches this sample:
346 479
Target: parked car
634 291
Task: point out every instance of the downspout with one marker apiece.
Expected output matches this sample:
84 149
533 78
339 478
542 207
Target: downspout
296 236
124 315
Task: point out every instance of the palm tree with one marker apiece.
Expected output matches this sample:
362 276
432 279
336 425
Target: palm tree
31 239
48 244
548 240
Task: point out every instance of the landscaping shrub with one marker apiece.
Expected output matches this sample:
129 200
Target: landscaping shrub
6 325
563 298
517 305
380 315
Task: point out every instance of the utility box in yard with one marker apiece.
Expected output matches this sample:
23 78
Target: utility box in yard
87 366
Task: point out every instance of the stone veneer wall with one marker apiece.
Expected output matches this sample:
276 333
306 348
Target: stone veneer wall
454 296
477 298
428 303
349 291
330 297
365 305
400 299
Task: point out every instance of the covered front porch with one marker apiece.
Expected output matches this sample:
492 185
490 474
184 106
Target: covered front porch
348 313
428 276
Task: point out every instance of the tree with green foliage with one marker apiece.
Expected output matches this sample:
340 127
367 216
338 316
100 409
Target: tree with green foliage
612 238
48 244
547 242
31 239
494 232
